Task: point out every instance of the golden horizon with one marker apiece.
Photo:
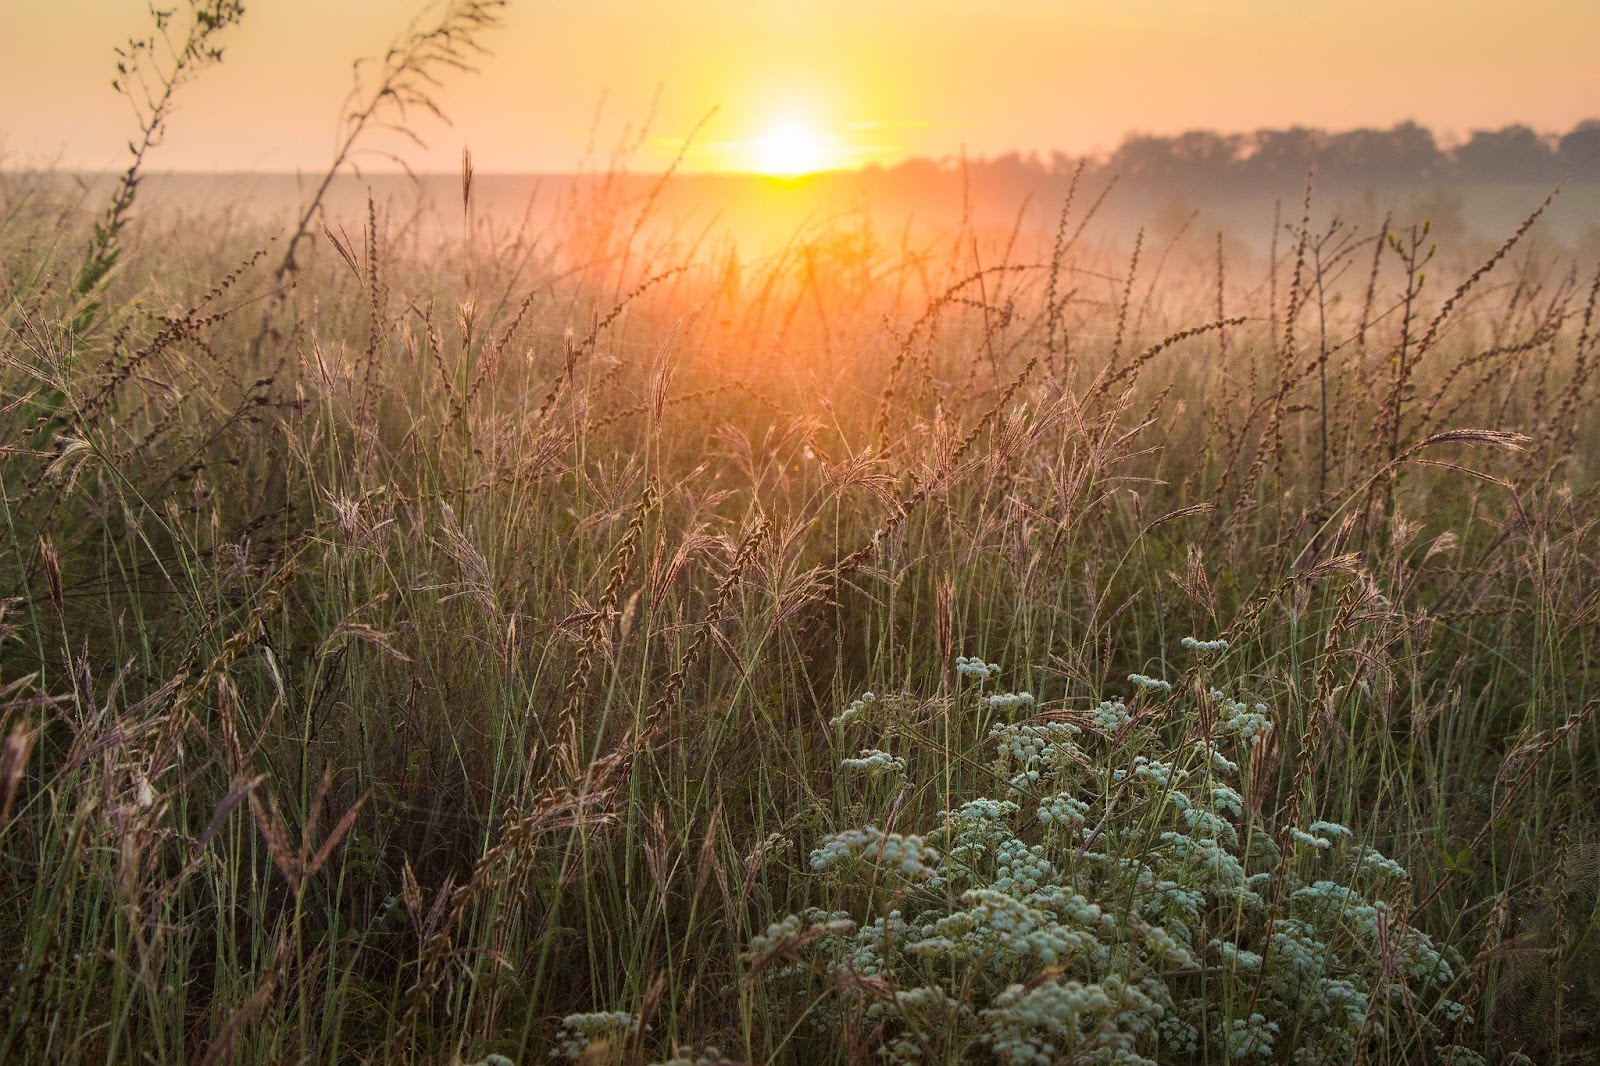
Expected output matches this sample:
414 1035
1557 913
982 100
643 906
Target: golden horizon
855 84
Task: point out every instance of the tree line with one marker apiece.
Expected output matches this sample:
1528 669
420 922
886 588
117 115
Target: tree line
1405 154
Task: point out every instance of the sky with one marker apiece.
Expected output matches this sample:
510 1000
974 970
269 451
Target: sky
804 84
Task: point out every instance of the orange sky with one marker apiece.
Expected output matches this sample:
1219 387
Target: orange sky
872 80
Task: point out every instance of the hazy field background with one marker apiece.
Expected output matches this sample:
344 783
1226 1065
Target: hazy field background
922 201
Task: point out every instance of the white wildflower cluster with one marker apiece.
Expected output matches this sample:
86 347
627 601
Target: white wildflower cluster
1226 799
1151 772
1163 945
858 711
1107 1022
1372 862
1021 869
1022 935
1051 742
1204 647
1151 684
785 937
1064 810
1030 756
1042 928
1331 836
581 1032
1236 958
1208 824
1248 1038
976 668
1375 927
870 952
1220 763
1310 839
1110 716
874 710
907 856
1242 720
982 810
873 763
1207 864
973 835
1008 701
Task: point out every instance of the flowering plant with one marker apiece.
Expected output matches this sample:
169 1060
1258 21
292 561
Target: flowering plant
1121 898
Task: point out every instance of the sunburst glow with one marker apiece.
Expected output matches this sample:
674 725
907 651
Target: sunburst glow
789 150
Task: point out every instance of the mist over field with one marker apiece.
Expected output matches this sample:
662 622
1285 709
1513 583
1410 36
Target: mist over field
1198 183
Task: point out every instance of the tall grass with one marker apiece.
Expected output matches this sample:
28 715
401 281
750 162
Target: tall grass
460 655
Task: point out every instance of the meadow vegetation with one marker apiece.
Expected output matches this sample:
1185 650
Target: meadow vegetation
586 643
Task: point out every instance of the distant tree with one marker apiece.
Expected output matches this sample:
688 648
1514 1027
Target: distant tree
1405 154
1581 146
917 168
1143 157
1515 153
1012 175
1280 157
1201 162
1197 156
1207 155
1062 164
1016 166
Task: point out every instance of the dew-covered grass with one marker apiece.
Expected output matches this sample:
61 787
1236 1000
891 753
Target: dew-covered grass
593 642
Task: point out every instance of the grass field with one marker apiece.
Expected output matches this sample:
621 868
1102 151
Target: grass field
581 646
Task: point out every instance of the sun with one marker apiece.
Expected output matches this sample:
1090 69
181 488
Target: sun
789 150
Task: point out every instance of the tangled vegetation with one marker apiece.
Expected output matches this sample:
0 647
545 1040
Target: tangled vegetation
1125 902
